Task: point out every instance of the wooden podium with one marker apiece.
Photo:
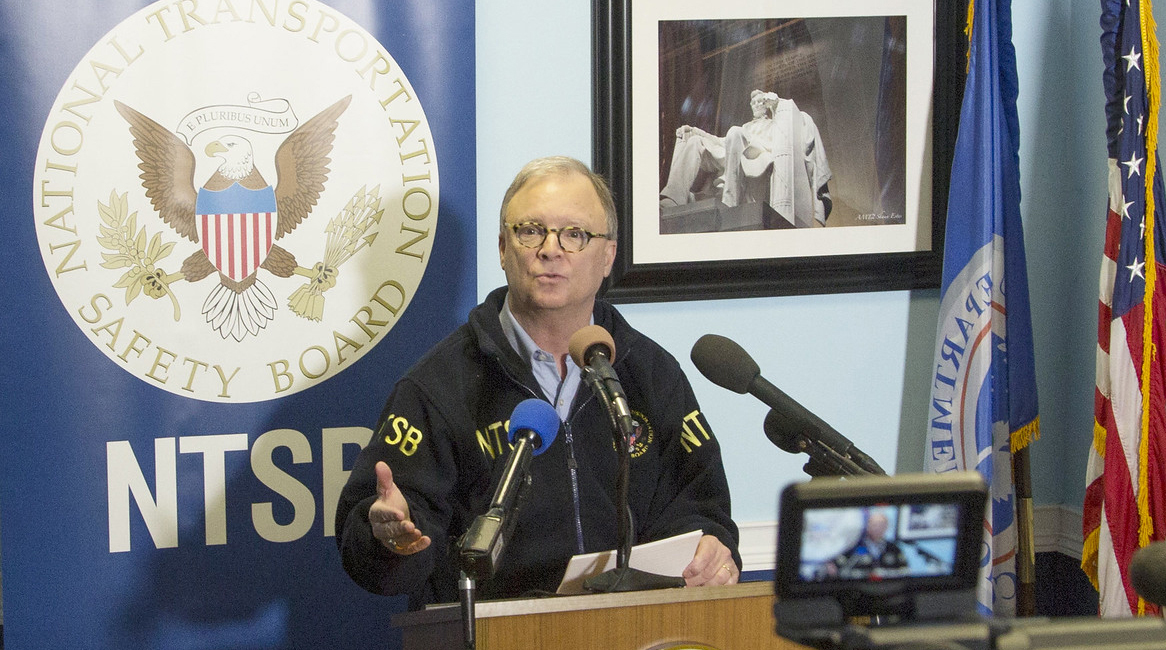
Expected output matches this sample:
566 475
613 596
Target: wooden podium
734 617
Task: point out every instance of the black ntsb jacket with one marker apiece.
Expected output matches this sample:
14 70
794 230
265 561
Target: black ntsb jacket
443 432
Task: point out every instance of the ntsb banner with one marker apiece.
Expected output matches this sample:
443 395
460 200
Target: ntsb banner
230 226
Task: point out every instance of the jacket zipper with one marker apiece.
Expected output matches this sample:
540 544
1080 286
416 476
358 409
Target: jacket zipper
572 464
574 469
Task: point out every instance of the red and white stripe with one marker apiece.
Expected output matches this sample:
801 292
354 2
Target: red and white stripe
1112 518
237 243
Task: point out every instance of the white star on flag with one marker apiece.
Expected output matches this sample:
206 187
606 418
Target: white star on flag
1136 270
1135 165
1132 59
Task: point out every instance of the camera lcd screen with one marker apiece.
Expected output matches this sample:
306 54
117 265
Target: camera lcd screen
880 535
879 542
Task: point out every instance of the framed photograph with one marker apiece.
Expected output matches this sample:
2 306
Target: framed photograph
776 148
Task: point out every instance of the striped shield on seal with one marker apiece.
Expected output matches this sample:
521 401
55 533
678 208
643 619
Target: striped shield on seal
237 242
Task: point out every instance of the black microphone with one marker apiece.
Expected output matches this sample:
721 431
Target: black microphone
533 427
593 347
1148 573
824 460
727 365
780 435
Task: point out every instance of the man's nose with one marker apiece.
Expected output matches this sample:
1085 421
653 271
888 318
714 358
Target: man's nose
550 245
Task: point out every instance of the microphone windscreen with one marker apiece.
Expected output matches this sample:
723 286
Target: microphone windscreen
1148 573
538 416
725 363
779 433
586 338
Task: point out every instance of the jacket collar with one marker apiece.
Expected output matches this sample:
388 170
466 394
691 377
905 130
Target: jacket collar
483 320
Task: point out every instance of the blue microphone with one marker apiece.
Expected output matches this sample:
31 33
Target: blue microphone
533 427
537 418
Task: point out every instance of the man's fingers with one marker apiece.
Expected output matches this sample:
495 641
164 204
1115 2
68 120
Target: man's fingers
402 531
389 516
401 537
715 573
711 565
702 570
727 574
385 483
409 546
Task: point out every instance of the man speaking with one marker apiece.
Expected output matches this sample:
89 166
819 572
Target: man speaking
440 442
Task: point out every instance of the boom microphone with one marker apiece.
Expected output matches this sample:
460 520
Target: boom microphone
727 365
533 427
593 347
1148 573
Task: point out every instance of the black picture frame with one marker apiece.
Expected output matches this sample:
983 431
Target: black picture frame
749 278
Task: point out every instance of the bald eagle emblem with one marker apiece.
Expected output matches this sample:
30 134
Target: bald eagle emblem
237 218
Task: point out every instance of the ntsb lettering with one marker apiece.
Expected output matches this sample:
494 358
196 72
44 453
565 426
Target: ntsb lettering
127 486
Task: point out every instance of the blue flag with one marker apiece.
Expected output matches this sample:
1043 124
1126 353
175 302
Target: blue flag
983 395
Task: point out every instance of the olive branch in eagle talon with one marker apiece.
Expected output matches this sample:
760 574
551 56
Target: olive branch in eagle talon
119 233
346 237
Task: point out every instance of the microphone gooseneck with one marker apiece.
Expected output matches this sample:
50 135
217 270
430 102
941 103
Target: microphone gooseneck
593 350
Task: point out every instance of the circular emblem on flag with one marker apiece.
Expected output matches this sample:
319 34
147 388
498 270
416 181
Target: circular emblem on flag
236 203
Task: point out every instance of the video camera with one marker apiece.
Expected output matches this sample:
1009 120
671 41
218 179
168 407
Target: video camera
892 562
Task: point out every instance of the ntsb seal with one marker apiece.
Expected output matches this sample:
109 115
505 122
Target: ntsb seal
236 201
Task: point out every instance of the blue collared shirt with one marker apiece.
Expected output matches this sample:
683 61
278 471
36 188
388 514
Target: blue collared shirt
559 391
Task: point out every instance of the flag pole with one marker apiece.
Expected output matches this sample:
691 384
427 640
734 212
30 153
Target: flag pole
1025 547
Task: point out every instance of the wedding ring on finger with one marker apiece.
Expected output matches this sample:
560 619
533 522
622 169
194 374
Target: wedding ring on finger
397 546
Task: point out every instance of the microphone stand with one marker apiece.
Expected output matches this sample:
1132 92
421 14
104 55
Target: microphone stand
826 461
623 553
480 547
930 558
466 587
623 577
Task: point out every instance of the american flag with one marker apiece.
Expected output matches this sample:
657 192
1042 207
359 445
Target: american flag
983 397
1125 495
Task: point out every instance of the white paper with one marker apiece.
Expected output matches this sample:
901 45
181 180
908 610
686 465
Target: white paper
666 557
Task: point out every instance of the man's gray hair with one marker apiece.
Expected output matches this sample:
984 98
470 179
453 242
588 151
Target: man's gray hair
558 165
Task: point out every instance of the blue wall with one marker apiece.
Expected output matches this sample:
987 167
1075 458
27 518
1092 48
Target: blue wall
861 361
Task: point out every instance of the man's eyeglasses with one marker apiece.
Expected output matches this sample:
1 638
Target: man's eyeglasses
572 239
